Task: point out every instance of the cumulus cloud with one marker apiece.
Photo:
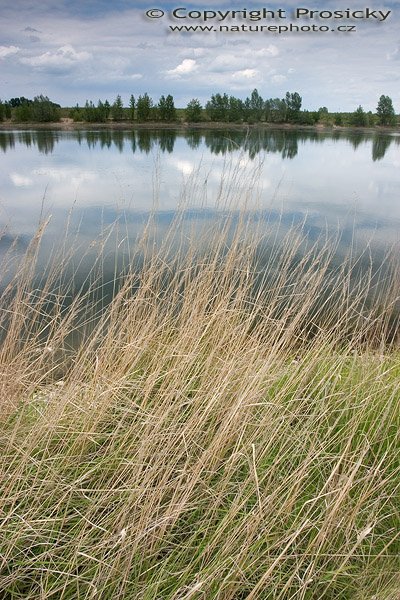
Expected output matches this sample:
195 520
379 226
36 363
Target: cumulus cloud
8 51
245 74
188 65
242 63
78 42
66 56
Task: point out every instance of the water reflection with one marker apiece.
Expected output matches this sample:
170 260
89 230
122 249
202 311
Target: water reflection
345 181
380 146
96 269
357 138
340 185
284 142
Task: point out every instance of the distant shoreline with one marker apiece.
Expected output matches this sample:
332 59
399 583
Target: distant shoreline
69 125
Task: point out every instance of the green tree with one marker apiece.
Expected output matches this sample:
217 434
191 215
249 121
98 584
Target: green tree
193 111
132 106
166 108
43 110
256 106
247 109
338 119
358 117
89 112
101 112
7 110
293 103
307 117
144 107
107 108
322 115
370 118
235 110
171 110
16 102
76 113
23 113
218 107
385 111
117 109
161 108
275 110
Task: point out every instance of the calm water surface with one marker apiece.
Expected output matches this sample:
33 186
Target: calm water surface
347 181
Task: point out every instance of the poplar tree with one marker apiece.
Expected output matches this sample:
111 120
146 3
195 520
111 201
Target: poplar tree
293 103
166 108
385 111
132 106
144 107
256 105
117 109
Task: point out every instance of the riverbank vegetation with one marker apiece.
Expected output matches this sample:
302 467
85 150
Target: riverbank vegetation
227 427
221 108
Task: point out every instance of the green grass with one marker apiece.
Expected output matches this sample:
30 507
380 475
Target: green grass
202 442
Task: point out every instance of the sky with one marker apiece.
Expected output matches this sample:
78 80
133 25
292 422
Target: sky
74 50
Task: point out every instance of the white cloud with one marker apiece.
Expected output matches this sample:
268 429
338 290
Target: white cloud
82 50
184 166
20 180
8 51
73 175
65 56
188 65
245 74
119 77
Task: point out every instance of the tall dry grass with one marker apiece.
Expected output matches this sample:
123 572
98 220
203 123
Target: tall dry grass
226 428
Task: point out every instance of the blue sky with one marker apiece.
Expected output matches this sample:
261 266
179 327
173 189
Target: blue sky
91 49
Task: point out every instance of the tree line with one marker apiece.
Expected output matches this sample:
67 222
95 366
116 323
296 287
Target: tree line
221 108
39 110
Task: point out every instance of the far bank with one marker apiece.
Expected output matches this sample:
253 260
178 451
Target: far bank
70 125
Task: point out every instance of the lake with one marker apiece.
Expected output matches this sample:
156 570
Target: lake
346 182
